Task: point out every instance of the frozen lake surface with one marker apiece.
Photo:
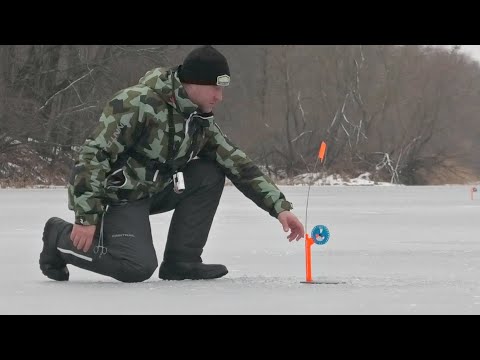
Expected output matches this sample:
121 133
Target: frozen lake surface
394 250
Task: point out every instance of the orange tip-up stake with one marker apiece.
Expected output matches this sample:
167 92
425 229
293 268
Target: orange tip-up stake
308 257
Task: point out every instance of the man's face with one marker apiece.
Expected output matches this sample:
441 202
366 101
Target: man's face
206 97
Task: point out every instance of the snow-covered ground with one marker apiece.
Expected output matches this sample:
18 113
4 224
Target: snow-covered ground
393 250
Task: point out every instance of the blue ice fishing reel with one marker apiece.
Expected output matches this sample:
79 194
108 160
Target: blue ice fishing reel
320 234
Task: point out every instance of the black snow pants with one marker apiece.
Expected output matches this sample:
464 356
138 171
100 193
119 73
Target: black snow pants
123 247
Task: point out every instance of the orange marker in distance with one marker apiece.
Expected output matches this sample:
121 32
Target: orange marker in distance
322 150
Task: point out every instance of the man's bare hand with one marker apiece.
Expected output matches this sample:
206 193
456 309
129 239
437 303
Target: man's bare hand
82 236
290 222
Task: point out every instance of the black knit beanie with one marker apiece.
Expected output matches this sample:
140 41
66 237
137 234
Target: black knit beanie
205 66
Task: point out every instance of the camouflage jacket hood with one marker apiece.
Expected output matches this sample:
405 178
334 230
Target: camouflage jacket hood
145 132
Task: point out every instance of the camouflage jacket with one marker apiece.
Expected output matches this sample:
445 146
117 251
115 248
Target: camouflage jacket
122 160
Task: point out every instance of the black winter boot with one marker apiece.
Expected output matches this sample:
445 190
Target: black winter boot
51 263
190 270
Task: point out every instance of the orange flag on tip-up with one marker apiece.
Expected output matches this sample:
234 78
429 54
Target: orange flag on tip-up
322 150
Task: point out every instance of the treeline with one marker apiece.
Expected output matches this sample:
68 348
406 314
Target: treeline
406 114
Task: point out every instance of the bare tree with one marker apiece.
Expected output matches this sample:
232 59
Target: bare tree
402 113
53 94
